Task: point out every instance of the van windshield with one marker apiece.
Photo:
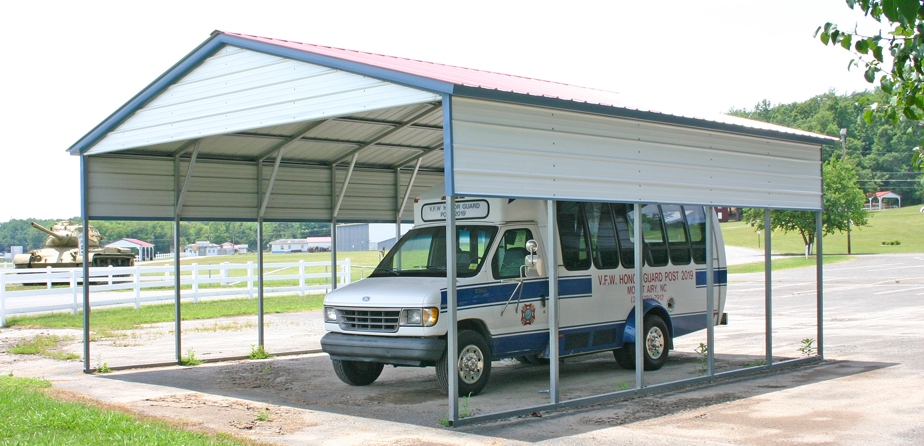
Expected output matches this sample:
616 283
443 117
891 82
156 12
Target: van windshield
422 252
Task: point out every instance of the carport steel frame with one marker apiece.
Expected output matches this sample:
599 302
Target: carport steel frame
447 91
551 253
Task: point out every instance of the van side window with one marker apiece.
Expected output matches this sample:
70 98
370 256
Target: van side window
602 235
511 254
625 232
655 248
696 221
654 235
573 234
677 240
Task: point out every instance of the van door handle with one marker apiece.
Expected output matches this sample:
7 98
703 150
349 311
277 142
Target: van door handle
542 297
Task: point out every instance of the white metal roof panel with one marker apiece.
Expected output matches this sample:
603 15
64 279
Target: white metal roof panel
518 151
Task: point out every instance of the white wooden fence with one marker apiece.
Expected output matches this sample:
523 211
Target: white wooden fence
35 291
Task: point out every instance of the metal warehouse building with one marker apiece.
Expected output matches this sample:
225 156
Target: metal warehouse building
249 128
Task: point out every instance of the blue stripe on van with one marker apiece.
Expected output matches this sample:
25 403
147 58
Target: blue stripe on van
719 277
499 293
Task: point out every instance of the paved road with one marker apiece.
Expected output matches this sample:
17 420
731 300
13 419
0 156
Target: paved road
867 391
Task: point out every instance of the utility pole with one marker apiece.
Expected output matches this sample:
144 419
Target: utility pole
844 151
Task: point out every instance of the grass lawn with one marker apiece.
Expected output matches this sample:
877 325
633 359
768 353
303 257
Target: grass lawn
785 263
126 318
905 225
30 413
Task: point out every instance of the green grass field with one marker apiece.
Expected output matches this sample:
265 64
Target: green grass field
30 413
905 225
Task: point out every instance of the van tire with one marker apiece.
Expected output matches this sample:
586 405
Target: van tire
657 344
472 365
357 373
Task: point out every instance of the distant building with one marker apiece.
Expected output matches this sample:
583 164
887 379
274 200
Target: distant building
143 250
308 244
882 195
367 237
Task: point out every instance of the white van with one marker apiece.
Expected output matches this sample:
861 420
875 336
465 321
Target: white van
397 315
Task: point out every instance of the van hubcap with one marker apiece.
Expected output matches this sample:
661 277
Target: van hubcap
471 364
654 342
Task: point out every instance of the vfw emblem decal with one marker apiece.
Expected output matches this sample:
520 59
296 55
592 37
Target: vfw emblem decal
528 314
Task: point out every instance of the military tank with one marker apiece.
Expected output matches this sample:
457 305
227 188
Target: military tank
62 249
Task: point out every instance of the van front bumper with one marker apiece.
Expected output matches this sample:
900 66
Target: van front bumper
416 352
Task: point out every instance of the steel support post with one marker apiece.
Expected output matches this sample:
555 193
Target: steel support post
264 197
768 289
333 228
452 340
819 284
551 260
639 305
710 291
84 251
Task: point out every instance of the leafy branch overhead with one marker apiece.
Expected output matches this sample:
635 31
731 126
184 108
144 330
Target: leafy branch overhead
895 60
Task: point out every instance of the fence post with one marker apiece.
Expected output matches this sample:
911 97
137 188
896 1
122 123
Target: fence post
250 280
137 287
48 271
301 277
2 300
348 275
195 282
73 280
224 273
109 271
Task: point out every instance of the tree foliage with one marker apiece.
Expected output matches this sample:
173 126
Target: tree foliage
894 60
843 204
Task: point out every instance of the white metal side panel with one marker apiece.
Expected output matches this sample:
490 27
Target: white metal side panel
299 193
237 90
509 150
220 190
130 188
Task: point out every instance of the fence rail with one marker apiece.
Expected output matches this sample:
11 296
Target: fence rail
42 290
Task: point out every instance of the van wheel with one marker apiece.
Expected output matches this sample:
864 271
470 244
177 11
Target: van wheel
657 344
472 365
357 373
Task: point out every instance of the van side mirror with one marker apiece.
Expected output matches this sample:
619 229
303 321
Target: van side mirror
532 246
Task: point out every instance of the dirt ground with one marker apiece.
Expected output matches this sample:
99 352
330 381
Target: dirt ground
868 390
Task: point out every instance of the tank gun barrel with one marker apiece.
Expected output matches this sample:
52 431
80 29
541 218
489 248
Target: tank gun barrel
47 231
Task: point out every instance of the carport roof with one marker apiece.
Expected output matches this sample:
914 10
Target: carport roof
344 133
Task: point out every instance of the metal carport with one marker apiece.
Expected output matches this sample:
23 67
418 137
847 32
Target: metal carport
248 128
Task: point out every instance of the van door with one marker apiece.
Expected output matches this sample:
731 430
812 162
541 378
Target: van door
521 324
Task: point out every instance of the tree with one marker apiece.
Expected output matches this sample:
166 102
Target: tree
843 205
895 59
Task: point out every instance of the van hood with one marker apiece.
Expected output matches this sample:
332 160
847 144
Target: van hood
389 292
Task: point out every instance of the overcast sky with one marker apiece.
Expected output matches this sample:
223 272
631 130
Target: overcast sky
69 65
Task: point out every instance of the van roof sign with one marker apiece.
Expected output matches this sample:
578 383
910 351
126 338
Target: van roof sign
465 210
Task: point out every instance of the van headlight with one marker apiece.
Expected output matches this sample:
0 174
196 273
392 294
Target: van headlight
330 314
425 317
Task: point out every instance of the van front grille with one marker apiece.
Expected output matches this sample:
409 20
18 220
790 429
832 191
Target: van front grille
379 321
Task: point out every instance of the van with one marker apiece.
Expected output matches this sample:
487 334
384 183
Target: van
397 315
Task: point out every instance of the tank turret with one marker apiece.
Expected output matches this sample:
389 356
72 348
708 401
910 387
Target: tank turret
62 249
66 233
